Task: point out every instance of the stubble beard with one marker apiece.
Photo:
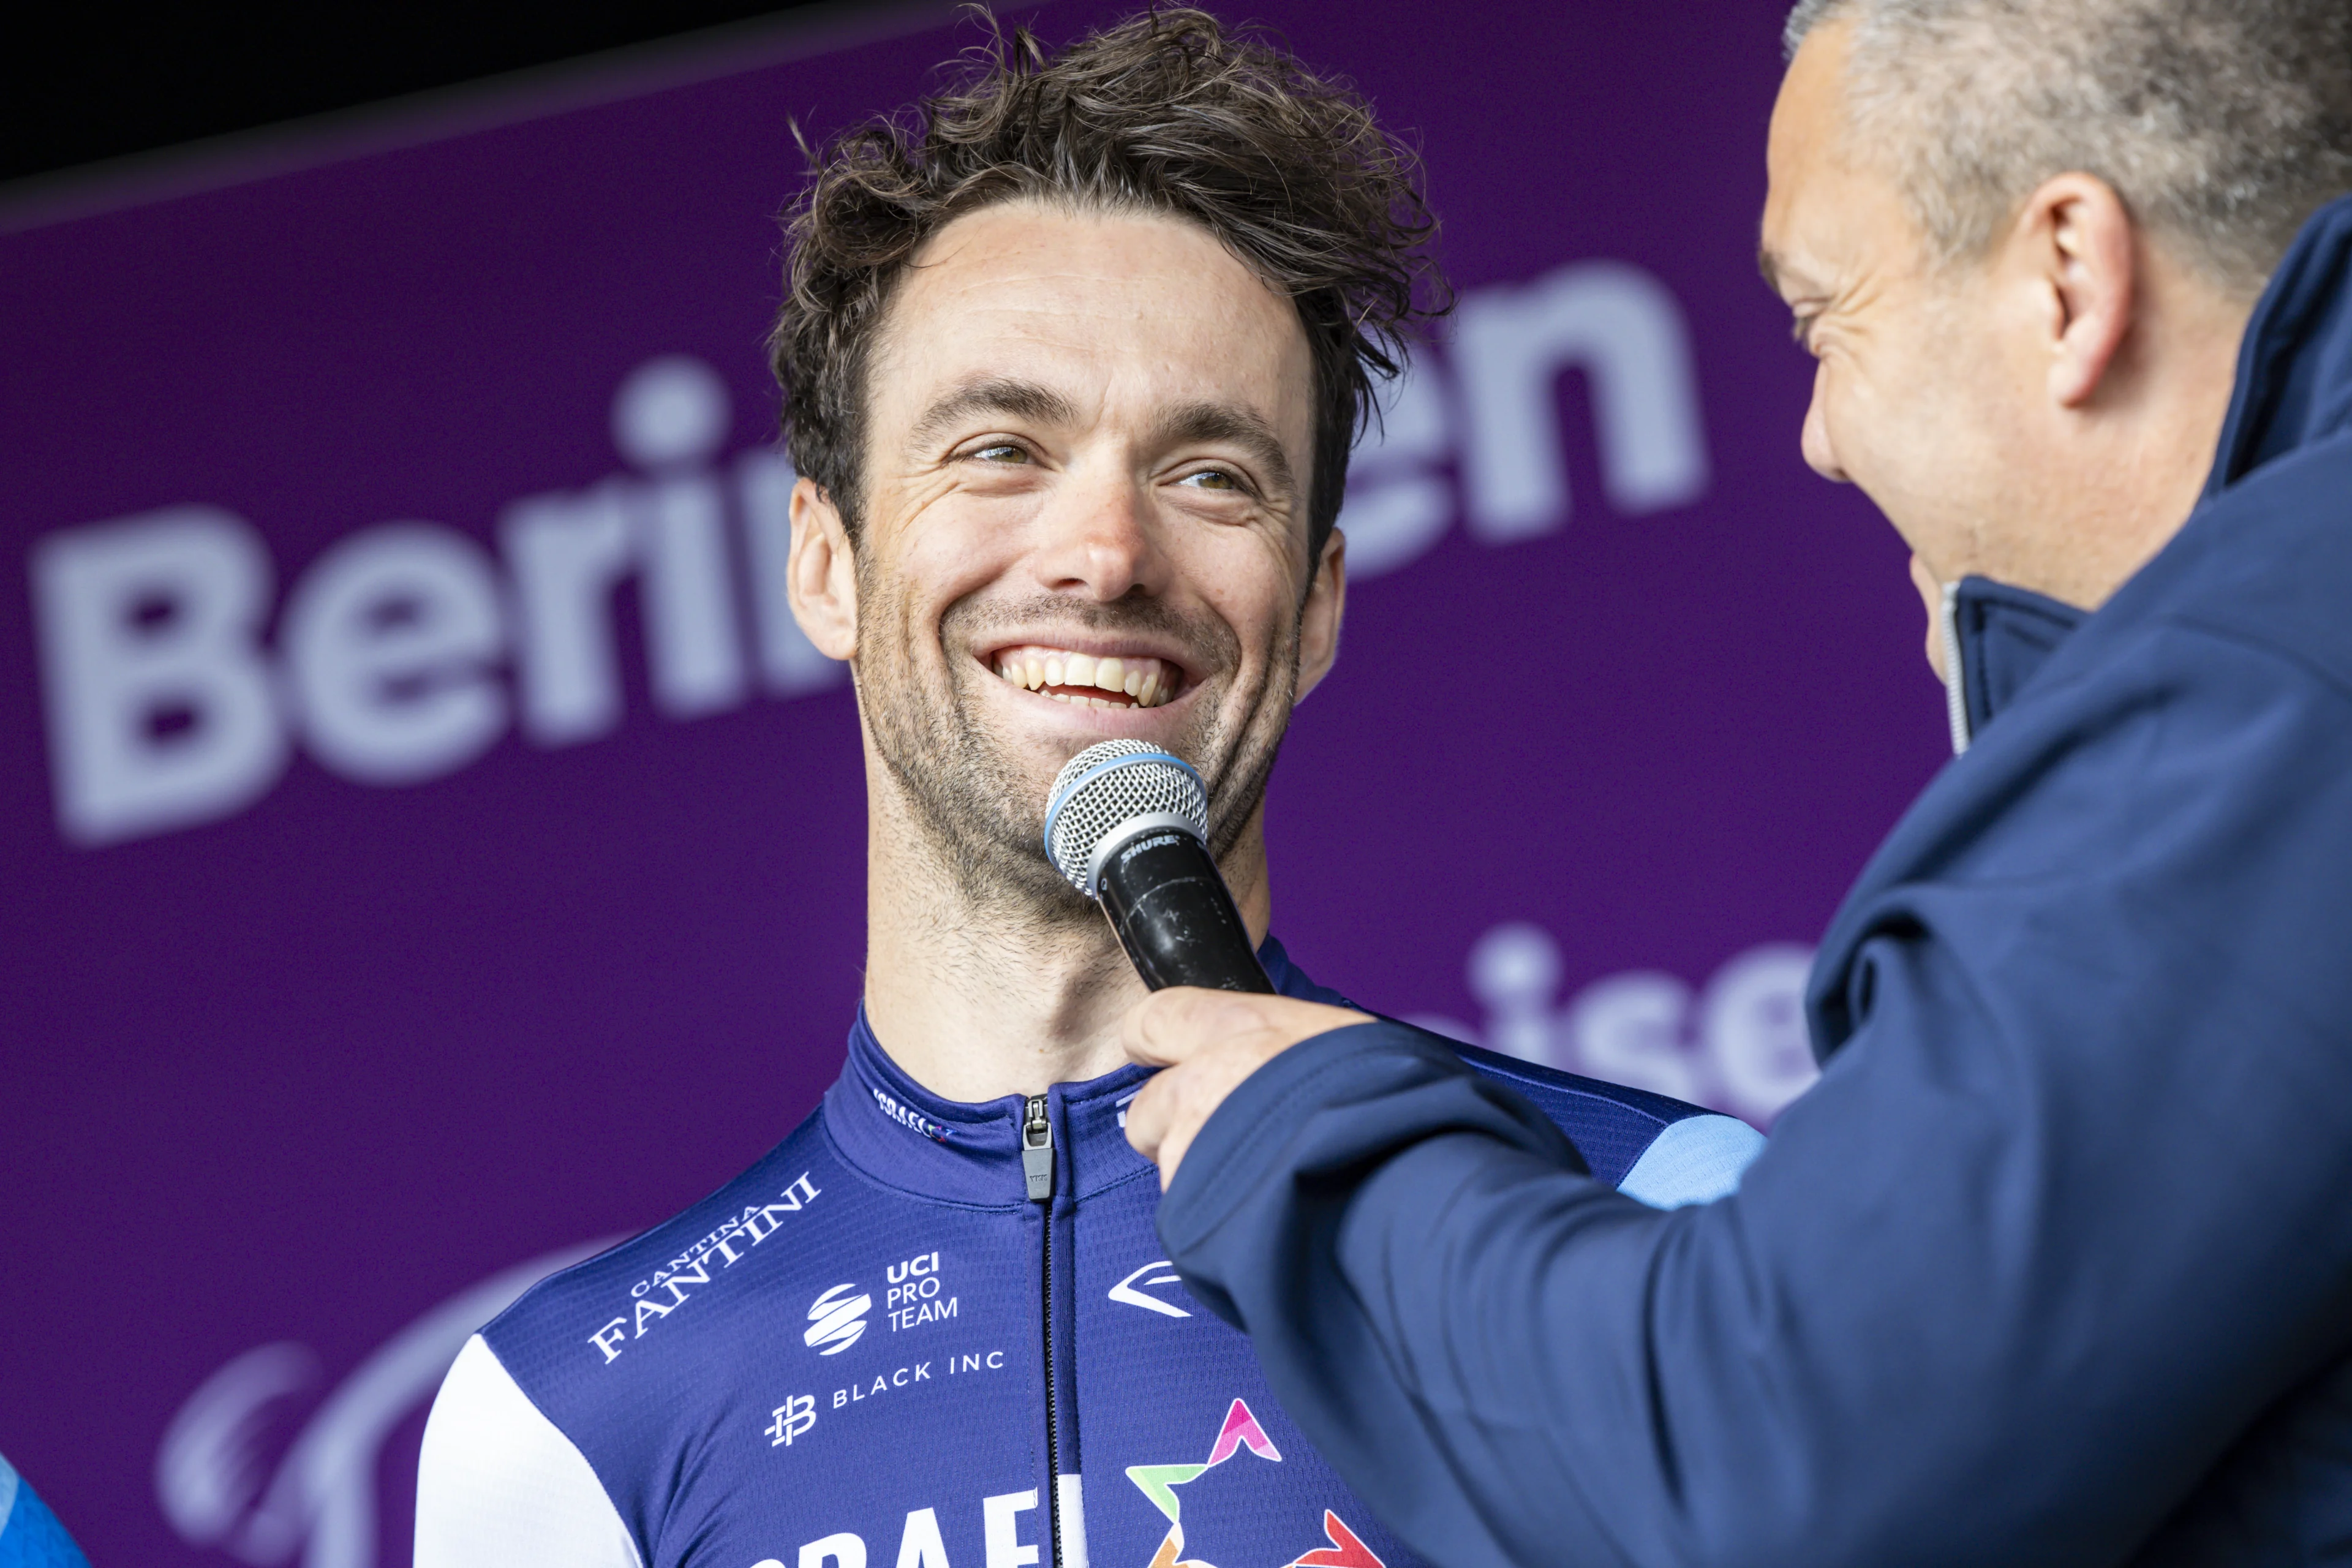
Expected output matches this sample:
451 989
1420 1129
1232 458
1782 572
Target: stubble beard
979 812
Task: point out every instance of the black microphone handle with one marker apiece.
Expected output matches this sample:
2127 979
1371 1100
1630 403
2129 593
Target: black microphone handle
1169 904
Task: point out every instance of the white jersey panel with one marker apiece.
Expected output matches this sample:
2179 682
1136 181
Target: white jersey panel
500 1487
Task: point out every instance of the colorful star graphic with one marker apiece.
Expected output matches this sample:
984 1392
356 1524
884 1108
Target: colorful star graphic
1240 1430
1345 1551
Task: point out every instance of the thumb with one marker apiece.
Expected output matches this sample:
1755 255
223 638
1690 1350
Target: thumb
1175 1024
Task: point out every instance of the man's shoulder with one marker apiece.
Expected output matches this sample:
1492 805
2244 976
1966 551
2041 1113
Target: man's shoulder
1661 1150
1664 1151
635 1295
560 1418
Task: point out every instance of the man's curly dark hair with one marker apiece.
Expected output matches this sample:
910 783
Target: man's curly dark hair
1167 113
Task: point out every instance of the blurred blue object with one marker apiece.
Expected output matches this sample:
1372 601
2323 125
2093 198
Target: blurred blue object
30 1535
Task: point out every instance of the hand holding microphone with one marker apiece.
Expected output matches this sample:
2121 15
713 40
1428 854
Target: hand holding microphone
1128 825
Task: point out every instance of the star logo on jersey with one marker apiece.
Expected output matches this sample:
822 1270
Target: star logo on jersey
1345 1551
1240 1430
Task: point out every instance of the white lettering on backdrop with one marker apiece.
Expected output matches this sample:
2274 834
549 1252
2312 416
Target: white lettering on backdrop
166 708
407 649
1737 1044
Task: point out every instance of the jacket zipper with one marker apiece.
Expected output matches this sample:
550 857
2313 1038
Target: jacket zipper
1037 1167
1955 681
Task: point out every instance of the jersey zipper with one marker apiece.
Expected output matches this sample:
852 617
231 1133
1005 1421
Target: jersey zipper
1037 1167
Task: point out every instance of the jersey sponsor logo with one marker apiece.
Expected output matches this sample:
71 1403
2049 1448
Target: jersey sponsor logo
912 1119
962 1364
793 1419
667 1290
922 1544
837 1320
912 1293
1129 1291
1240 1430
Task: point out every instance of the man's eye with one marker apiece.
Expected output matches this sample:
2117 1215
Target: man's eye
1002 452
1212 479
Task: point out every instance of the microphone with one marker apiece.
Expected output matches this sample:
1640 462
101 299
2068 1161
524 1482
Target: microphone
1128 825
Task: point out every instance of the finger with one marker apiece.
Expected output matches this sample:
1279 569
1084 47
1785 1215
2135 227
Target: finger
1147 1117
1171 1026
1178 1024
1172 1150
1162 1121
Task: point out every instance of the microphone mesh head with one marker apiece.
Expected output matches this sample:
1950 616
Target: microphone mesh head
1112 783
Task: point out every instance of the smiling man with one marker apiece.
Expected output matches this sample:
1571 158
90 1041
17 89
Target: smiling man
1072 362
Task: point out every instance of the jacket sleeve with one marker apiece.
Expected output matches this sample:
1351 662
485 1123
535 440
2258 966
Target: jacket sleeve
2060 1220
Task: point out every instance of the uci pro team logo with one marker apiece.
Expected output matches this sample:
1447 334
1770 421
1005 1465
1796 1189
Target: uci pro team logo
837 1319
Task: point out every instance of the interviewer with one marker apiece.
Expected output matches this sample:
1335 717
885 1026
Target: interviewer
2055 1265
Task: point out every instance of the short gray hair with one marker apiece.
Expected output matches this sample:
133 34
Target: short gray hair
2223 124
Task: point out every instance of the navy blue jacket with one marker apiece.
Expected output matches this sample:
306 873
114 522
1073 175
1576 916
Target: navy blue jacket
880 1346
2055 1265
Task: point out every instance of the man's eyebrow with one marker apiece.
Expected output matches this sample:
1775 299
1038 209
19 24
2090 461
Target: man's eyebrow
991 394
1192 423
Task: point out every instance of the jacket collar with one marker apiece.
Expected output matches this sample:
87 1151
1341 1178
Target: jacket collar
900 1134
2295 366
1995 637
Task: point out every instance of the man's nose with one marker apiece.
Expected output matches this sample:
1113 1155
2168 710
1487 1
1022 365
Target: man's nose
1101 540
1819 452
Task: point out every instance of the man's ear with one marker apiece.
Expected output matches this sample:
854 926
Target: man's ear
1318 619
2080 251
822 578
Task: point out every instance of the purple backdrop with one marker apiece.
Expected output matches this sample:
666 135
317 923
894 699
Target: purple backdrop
393 902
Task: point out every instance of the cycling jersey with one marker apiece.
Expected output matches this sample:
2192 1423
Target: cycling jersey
926 1333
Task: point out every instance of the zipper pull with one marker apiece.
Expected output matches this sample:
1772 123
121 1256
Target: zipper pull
1037 1151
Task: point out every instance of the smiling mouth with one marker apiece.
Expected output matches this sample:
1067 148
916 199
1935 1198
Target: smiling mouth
1088 682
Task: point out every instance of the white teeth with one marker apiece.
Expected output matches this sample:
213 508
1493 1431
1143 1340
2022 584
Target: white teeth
1137 682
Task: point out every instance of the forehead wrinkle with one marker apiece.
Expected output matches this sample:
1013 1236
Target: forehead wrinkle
991 394
1204 422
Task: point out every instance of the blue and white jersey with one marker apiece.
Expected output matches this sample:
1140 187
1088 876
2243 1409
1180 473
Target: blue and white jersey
875 1346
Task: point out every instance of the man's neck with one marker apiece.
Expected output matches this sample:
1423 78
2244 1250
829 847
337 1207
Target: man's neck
2137 458
979 997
